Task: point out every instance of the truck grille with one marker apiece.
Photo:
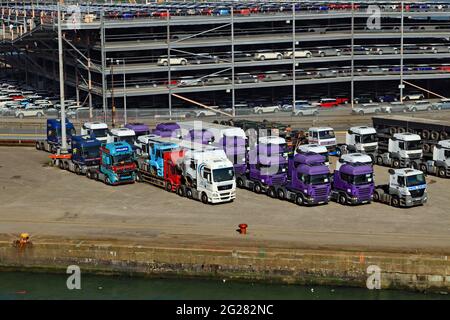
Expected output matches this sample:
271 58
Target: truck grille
225 187
278 180
414 155
321 192
417 193
364 193
370 149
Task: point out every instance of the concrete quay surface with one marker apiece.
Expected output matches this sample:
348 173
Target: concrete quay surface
63 212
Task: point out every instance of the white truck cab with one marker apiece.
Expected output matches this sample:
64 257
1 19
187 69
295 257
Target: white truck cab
314 148
142 142
323 136
121 134
439 165
277 143
404 150
360 139
352 158
209 175
97 129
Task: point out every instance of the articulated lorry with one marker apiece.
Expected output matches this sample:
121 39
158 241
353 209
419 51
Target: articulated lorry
404 150
117 164
53 140
308 181
99 130
361 139
431 131
83 155
353 184
406 188
439 165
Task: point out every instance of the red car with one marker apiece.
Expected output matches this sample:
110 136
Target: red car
445 68
342 100
328 103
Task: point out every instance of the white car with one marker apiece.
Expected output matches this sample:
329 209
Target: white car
413 96
298 54
268 55
266 109
164 61
30 111
305 110
367 108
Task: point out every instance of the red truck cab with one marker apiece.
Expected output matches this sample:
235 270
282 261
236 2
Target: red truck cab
172 173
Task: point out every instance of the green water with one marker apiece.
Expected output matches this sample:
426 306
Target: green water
17 285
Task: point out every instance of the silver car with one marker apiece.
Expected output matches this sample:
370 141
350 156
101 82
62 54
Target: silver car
422 105
305 110
367 108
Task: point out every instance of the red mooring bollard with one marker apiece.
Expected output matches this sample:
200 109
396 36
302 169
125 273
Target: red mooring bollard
243 228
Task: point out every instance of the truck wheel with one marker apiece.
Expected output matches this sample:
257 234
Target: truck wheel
138 177
376 196
180 192
77 170
343 199
272 192
38 145
240 183
396 163
379 160
61 165
88 174
107 181
441 172
423 167
204 198
189 193
300 200
257 188
66 165
169 187
280 194
395 202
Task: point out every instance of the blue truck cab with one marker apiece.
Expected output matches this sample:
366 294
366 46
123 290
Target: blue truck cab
53 140
117 164
85 150
156 156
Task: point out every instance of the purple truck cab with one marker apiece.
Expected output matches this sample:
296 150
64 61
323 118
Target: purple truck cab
353 184
167 130
140 129
264 171
308 181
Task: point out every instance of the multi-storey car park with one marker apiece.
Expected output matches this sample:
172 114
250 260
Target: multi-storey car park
224 53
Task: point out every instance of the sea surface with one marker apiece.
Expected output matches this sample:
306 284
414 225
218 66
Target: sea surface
23 285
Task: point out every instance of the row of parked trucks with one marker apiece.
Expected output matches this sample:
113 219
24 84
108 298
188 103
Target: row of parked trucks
206 161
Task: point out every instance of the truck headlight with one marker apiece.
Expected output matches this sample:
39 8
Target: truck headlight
349 190
262 180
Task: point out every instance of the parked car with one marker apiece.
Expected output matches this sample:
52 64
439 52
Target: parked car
239 56
273 76
80 112
442 104
164 61
268 55
328 103
395 106
363 99
367 108
30 111
203 58
210 81
245 77
305 110
357 50
266 109
422 105
384 49
298 54
326 52
413 96
388 97
188 81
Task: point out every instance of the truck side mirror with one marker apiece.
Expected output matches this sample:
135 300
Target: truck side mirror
394 139
391 171
438 146
349 131
341 160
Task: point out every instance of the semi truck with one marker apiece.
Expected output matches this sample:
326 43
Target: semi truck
83 155
323 136
406 188
53 131
404 150
313 148
431 131
97 129
121 135
353 184
117 164
308 181
264 170
439 165
360 139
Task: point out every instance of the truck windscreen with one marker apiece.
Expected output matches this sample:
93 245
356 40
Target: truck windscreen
100 133
224 174
327 134
362 179
130 139
369 138
317 179
416 180
414 145
121 159
91 152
